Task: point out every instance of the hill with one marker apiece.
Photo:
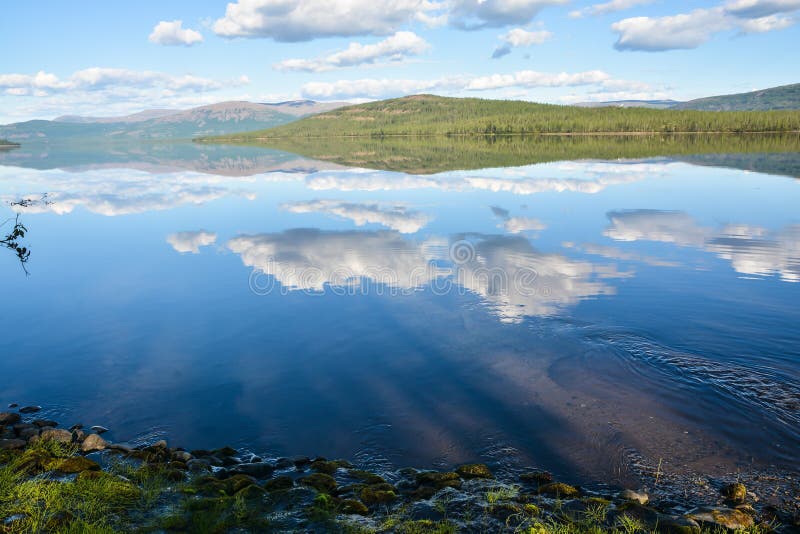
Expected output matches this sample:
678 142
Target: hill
436 115
774 98
215 119
654 104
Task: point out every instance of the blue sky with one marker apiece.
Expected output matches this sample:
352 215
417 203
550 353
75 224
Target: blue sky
108 58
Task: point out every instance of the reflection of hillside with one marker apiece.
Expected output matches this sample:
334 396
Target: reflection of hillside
160 158
428 155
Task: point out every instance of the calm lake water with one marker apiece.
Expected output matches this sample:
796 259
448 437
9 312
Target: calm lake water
588 317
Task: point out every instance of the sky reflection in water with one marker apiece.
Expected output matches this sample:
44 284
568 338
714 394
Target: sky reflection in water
572 315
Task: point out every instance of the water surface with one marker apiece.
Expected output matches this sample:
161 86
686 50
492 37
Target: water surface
590 317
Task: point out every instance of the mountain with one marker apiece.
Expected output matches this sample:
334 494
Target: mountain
436 115
653 104
214 119
774 98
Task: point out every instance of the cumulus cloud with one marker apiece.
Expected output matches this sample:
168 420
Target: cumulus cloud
174 34
520 38
304 20
190 242
690 30
527 79
394 48
398 218
516 225
102 78
613 6
477 14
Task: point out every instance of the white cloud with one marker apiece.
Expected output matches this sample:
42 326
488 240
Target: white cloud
381 88
475 14
103 78
394 48
690 30
303 20
520 37
173 34
608 7
396 217
190 242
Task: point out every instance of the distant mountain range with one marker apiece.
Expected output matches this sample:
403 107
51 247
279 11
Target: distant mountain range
774 98
215 119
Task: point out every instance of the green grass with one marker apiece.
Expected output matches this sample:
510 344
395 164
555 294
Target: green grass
427 155
435 115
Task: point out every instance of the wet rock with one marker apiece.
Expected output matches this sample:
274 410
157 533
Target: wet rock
75 464
237 482
121 447
196 465
721 517
677 525
251 493
283 463
93 442
504 510
56 434
635 496
181 456
474 471
9 418
28 433
44 422
300 461
258 470
319 481
438 480
537 477
13 405
352 506
279 483
99 429
643 514
329 467
734 493
77 426
560 490
78 435
366 476
224 452
30 409
160 444
378 494
11 444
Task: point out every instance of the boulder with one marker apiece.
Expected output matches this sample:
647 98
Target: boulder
56 434
677 525
635 496
559 489
721 517
9 418
9 444
99 429
474 471
93 442
30 409
257 470
735 493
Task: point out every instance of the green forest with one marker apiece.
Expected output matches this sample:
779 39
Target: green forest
434 115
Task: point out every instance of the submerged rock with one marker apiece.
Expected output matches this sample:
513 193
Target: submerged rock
474 471
30 409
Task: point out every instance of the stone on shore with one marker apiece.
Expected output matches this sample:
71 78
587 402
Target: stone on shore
474 471
735 493
635 496
559 489
9 418
93 442
99 429
10 444
56 434
729 518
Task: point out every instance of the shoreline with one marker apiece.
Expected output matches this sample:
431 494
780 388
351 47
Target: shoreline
158 488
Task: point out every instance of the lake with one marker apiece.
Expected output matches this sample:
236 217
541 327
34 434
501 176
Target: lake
599 318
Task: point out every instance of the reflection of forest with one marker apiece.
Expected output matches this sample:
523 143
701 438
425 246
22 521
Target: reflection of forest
427 155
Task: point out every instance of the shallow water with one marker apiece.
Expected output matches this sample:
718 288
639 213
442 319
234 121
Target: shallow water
587 317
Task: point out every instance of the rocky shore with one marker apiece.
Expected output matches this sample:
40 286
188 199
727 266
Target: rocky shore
56 479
